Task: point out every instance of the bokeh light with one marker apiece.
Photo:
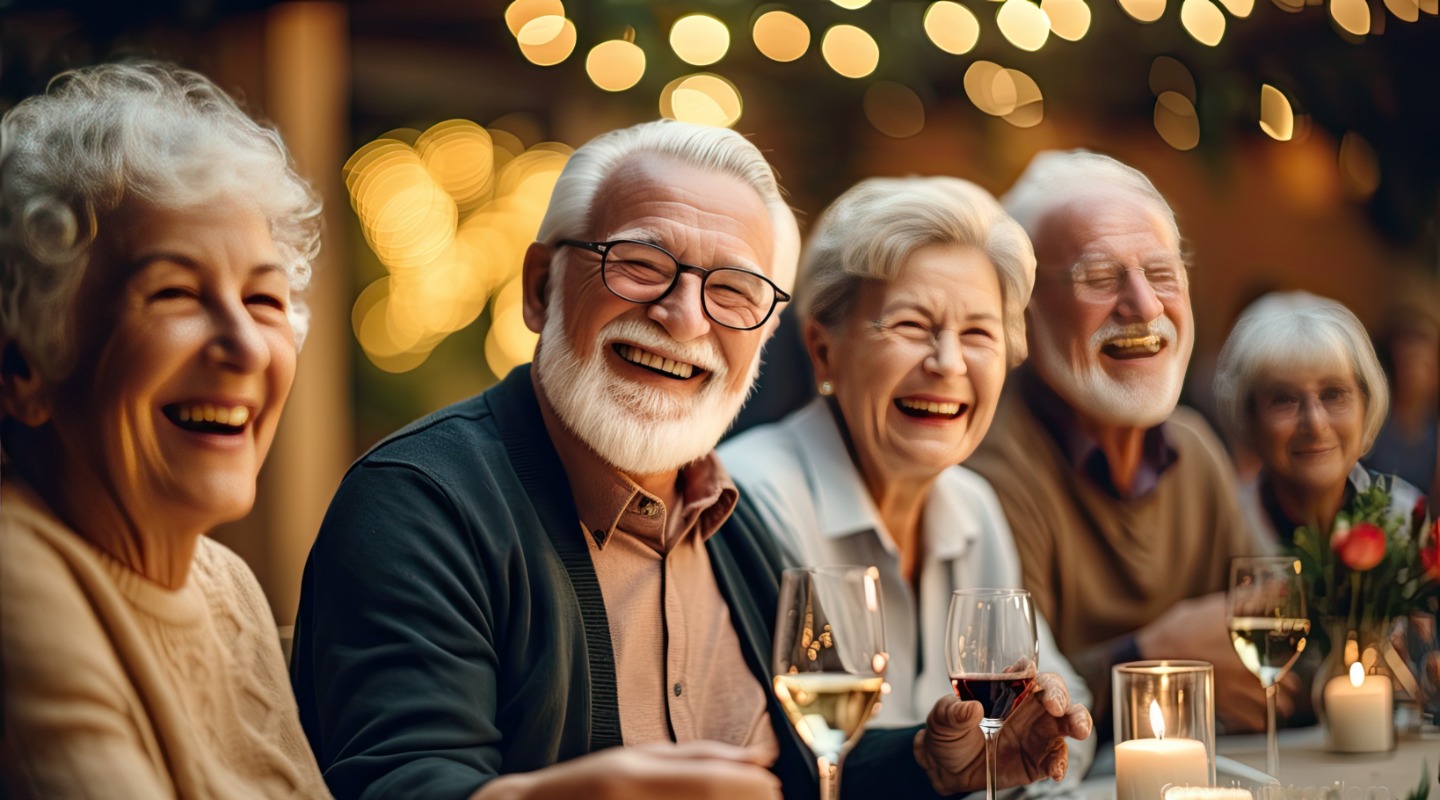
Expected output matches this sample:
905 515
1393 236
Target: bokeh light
1353 16
952 27
894 109
699 39
1277 119
522 11
509 342
1146 10
1069 19
449 213
781 36
1203 20
1023 24
1239 8
702 98
1359 166
547 40
615 65
1028 105
1176 120
851 5
1405 10
1169 75
990 88
850 51
1291 6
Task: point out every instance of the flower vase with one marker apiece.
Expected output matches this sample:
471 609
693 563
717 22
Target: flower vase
1354 687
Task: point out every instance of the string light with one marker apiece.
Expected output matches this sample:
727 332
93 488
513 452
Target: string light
781 36
615 65
1023 24
1277 119
952 27
699 39
850 51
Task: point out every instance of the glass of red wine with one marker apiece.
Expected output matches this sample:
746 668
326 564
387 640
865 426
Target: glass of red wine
990 650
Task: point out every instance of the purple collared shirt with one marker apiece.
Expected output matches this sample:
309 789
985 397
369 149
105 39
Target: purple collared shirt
1083 451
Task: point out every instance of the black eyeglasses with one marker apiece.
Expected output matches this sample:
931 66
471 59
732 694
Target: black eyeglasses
642 272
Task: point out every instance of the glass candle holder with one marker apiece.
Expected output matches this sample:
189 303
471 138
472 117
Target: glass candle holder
1164 727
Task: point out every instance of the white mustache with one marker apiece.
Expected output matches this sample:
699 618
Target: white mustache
703 353
1160 326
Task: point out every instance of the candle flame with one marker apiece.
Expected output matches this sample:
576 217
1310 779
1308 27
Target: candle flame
1357 674
1157 720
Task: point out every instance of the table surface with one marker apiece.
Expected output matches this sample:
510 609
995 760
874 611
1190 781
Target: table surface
1306 768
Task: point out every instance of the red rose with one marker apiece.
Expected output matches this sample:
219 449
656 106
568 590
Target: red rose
1360 547
1430 554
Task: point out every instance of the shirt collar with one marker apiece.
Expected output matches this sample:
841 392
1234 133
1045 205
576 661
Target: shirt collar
608 501
1081 449
843 502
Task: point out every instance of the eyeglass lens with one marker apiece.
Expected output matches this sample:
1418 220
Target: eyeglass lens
733 297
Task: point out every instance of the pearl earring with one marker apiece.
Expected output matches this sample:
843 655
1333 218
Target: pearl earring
827 388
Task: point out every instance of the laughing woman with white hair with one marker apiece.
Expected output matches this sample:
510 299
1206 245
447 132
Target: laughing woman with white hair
1299 383
152 237
913 294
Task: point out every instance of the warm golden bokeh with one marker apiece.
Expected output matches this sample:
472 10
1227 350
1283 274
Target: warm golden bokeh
1203 20
1029 104
1169 75
1353 16
699 39
781 36
1023 24
1277 119
702 98
894 109
850 51
1176 121
1069 19
615 65
522 11
1146 10
1359 166
547 40
952 27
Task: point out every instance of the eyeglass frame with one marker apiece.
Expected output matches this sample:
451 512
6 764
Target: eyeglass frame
602 249
1182 271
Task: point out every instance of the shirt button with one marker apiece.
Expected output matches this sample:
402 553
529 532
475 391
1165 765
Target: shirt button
649 508
678 690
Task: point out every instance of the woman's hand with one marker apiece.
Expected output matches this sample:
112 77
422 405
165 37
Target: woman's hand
1031 746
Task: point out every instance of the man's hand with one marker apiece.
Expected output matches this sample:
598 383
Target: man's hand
1198 629
703 770
1031 746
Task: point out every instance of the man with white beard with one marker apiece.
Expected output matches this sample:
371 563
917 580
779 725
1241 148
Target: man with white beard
1122 505
506 591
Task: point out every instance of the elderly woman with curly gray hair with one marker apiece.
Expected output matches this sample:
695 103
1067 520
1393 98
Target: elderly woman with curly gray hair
153 239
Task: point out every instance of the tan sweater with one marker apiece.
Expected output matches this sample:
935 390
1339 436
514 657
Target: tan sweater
1100 567
116 687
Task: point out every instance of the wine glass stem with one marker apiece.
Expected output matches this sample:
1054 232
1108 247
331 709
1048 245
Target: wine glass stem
1272 748
829 779
991 734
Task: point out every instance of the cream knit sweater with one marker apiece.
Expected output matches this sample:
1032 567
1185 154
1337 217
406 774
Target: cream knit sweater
115 687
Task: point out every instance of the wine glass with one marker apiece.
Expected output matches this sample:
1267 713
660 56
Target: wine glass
829 660
990 650
1268 626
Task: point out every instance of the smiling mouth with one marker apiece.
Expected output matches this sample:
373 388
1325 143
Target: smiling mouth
675 370
1133 346
208 417
927 409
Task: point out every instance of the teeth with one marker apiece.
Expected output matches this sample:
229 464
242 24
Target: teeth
1151 343
637 356
233 416
946 409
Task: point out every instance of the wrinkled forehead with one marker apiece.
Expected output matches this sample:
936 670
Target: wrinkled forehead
1104 225
684 207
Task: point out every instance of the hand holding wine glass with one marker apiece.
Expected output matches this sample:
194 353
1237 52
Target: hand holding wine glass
990 650
1268 626
829 659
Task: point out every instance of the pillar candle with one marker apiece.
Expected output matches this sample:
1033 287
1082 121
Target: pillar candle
1143 767
1359 712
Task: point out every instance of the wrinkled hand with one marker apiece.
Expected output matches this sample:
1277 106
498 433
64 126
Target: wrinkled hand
704 770
1196 629
1031 746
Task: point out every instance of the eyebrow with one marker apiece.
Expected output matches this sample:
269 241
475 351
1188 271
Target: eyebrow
650 236
907 305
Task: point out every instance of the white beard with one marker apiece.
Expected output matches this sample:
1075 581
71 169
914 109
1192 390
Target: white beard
638 429
1143 401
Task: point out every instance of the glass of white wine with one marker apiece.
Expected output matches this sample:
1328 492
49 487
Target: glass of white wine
829 660
1268 626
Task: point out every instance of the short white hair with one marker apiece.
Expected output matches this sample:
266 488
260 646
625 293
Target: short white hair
720 150
1295 328
99 135
869 233
1054 179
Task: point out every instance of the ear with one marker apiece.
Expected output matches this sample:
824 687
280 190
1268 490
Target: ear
24 395
818 341
535 285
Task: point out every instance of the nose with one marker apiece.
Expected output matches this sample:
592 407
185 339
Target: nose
946 357
1312 415
235 340
1137 301
681 312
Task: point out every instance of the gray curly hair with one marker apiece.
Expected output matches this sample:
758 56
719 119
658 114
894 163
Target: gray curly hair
99 135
